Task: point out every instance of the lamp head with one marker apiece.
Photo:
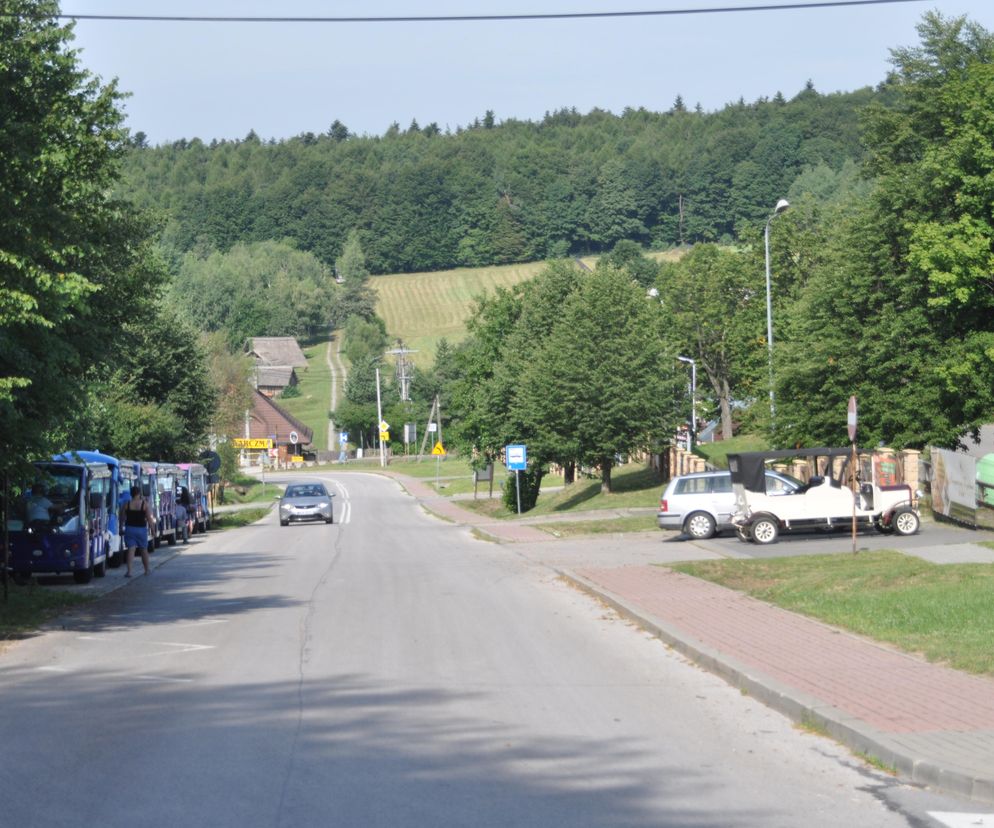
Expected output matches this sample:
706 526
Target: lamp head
782 205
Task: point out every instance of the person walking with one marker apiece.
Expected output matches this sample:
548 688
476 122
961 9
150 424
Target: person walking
137 520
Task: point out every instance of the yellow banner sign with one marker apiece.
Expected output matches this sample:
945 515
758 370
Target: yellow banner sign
252 443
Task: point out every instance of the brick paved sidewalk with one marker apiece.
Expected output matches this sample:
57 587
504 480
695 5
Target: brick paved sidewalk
933 724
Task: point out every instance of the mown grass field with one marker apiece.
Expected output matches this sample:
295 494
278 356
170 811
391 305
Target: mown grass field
422 308
942 612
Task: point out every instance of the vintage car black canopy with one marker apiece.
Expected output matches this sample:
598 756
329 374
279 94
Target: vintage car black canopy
749 467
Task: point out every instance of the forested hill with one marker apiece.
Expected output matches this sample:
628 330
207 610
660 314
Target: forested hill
502 192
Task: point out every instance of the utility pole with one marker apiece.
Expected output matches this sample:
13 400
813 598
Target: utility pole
379 419
404 369
436 411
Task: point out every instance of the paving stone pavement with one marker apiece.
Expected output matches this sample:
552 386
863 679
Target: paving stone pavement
932 724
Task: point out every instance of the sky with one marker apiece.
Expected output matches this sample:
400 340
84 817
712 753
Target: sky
221 80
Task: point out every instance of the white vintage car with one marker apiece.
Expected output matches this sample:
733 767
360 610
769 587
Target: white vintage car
823 503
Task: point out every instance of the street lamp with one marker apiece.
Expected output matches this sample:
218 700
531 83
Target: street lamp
692 439
782 205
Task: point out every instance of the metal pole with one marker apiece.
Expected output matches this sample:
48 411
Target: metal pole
769 318
517 487
781 205
693 404
692 433
379 418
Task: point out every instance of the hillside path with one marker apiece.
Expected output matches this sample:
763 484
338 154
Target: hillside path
338 374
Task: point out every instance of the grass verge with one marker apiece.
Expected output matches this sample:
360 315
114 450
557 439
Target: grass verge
28 607
614 526
943 613
633 486
717 453
250 490
241 517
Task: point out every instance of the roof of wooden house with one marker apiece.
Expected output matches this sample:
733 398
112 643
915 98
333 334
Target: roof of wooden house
277 350
267 419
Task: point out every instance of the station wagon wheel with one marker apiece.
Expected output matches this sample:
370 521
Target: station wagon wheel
905 522
699 525
765 530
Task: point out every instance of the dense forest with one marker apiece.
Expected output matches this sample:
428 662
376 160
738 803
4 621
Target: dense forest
497 192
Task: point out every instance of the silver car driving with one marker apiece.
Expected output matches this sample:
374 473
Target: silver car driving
306 501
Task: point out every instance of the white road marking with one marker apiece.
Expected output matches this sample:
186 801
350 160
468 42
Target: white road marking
346 510
163 678
183 648
54 669
953 819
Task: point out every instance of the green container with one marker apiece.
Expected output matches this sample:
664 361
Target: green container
985 480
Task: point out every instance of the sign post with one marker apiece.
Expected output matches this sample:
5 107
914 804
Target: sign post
851 422
517 461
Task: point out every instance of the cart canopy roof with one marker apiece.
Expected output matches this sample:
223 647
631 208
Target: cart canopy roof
748 468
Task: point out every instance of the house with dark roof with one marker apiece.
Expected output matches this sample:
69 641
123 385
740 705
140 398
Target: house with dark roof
267 419
276 350
273 380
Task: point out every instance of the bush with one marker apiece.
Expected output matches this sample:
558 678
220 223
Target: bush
531 482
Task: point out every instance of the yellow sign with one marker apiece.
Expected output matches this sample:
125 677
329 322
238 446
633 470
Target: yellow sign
439 449
296 458
253 443
384 435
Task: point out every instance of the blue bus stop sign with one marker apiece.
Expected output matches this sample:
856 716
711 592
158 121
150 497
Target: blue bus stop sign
517 458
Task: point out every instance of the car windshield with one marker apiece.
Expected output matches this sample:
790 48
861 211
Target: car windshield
306 490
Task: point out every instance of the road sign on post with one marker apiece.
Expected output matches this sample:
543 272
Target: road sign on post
293 438
517 461
517 458
851 419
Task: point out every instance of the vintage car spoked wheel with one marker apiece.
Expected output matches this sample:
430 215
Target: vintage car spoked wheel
699 525
905 522
764 530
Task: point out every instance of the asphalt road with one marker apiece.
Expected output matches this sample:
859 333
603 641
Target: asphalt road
391 670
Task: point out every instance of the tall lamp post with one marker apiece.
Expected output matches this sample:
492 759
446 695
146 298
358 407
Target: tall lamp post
782 205
692 439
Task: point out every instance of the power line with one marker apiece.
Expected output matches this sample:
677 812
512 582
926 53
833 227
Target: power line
473 18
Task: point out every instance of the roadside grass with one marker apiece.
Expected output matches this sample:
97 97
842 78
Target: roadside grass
943 613
612 526
311 407
28 607
238 518
249 490
633 486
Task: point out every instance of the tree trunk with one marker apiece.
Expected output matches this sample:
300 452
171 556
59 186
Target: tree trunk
569 473
606 475
725 403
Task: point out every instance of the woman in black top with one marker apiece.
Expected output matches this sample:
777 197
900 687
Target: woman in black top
137 520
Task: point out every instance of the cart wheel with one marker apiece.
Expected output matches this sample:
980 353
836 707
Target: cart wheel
765 530
905 522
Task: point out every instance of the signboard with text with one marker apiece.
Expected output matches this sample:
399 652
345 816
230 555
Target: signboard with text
517 458
252 443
